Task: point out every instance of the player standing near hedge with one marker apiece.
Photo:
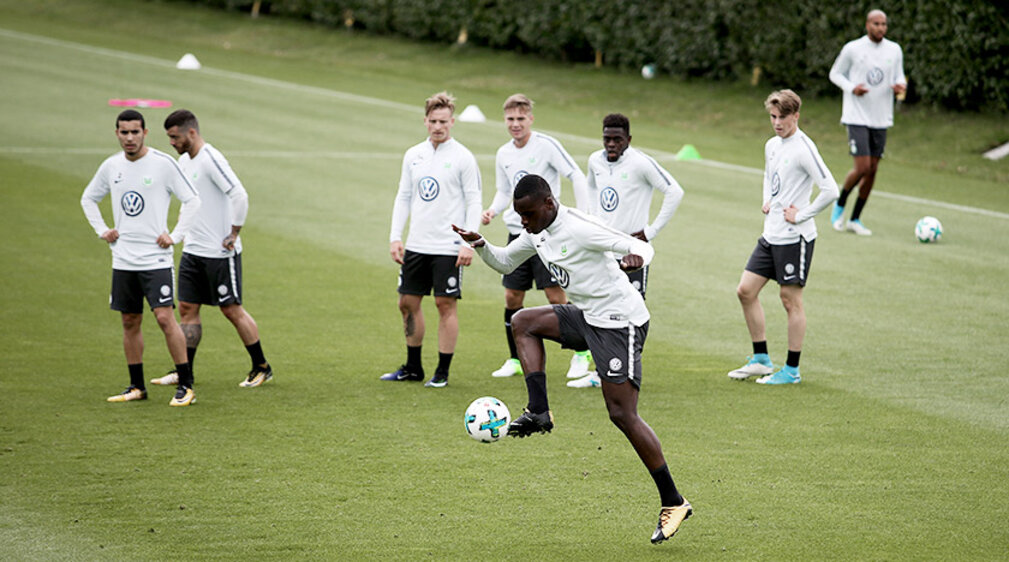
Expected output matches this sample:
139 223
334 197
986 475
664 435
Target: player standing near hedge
621 181
439 186
785 250
531 152
869 70
607 315
210 271
141 181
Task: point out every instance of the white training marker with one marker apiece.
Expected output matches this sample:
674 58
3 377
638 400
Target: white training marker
188 62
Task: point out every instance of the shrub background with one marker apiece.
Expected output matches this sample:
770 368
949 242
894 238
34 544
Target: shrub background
956 52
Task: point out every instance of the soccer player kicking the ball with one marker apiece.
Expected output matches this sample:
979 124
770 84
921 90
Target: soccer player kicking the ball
531 152
785 250
210 271
606 314
141 181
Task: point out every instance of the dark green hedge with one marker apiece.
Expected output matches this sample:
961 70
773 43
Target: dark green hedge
956 52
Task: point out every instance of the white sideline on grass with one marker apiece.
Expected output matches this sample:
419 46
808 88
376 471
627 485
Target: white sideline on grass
367 100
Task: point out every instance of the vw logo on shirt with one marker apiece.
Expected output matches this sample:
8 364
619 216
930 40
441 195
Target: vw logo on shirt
428 188
133 203
775 184
519 175
608 199
874 76
560 274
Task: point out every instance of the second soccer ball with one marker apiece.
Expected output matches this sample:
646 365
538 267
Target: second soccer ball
928 229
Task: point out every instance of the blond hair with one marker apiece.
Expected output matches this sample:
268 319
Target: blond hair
519 101
440 100
785 101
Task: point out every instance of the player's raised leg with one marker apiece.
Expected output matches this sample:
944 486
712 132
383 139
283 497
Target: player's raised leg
530 327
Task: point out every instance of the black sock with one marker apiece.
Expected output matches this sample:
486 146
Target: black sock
509 312
760 347
255 353
191 355
413 363
444 362
536 384
843 198
137 375
793 359
667 490
857 211
185 374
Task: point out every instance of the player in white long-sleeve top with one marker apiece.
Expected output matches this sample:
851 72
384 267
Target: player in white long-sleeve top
784 252
439 186
530 152
622 180
869 70
606 315
210 272
141 181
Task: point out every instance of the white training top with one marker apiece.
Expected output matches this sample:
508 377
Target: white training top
877 66
224 203
541 155
141 194
791 166
437 188
622 191
579 251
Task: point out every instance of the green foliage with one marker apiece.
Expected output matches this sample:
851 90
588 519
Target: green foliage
956 53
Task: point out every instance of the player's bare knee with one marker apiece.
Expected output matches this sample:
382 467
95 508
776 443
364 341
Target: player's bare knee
233 312
131 322
745 294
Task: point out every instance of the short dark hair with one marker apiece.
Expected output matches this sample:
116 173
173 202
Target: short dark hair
131 115
532 185
617 121
183 119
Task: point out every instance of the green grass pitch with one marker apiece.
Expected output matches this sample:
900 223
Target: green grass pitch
894 447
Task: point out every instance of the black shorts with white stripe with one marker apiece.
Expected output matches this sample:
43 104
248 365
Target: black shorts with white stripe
213 281
616 351
788 264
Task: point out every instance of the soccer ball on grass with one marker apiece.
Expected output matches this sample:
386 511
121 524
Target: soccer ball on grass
928 229
487 419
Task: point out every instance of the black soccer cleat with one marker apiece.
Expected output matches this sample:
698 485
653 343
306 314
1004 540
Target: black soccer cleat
403 373
529 423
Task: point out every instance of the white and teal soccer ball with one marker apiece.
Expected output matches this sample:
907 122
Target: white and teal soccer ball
648 71
928 229
487 419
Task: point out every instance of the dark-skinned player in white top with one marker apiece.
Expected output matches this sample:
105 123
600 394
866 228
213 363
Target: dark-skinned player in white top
606 314
621 181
